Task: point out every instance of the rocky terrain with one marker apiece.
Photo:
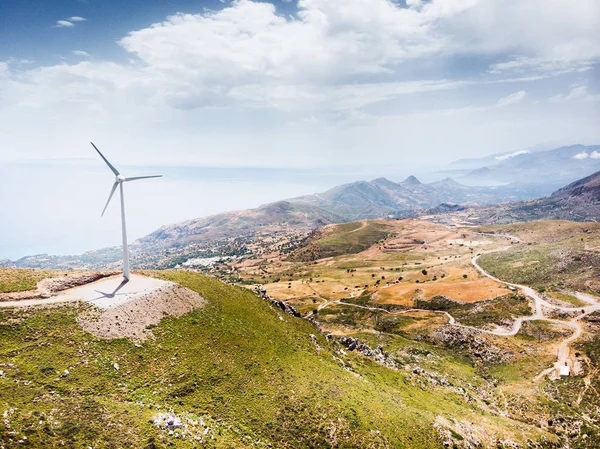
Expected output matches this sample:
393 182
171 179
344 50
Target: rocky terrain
136 318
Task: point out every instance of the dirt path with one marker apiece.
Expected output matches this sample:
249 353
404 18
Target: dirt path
563 349
540 303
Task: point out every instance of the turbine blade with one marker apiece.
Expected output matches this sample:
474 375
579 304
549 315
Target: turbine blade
114 170
135 178
112 192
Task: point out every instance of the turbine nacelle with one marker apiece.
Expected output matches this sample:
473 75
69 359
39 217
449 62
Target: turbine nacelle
120 179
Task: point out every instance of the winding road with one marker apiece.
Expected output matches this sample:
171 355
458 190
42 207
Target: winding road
540 304
539 315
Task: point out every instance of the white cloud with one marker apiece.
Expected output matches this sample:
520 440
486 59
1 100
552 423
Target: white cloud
512 98
69 23
339 62
362 83
248 52
578 92
581 156
511 155
85 54
63 24
595 155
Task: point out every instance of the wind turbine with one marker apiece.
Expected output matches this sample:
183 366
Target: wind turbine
119 181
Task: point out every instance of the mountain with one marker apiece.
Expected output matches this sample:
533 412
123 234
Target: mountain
270 217
586 189
384 198
478 162
212 236
553 168
578 201
231 233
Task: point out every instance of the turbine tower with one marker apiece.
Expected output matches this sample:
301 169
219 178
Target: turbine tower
119 181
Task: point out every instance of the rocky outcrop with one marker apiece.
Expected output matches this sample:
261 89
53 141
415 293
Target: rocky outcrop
262 292
378 355
471 341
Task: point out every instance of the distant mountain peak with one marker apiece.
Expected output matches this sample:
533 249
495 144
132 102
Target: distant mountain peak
381 179
383 182
450 181
411 180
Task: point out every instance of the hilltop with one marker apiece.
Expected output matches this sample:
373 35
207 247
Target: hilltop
270 217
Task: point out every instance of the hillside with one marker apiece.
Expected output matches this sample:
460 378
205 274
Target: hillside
382 198
554 167
346 238
578 201
223 234
236 373
271 217
414 288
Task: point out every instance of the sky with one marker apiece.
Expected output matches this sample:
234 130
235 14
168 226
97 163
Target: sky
279 98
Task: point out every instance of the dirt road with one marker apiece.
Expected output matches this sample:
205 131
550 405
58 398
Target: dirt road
540 304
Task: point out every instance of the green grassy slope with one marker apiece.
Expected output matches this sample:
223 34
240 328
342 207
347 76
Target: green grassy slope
346 238
252 374
561 264
22 279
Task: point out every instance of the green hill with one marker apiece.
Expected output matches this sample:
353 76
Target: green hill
248 373
345 238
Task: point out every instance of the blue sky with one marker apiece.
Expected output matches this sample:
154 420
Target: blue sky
365 86
28 27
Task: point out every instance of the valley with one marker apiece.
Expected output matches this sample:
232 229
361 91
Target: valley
363 224
399 322
388 283
291 325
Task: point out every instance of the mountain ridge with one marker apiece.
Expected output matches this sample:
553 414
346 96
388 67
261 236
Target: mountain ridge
577 201
555 167
379 198
382 197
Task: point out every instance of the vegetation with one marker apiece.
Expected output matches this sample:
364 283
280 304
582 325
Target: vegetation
346 238
556 265
257 378
252 374
22 279
482 313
